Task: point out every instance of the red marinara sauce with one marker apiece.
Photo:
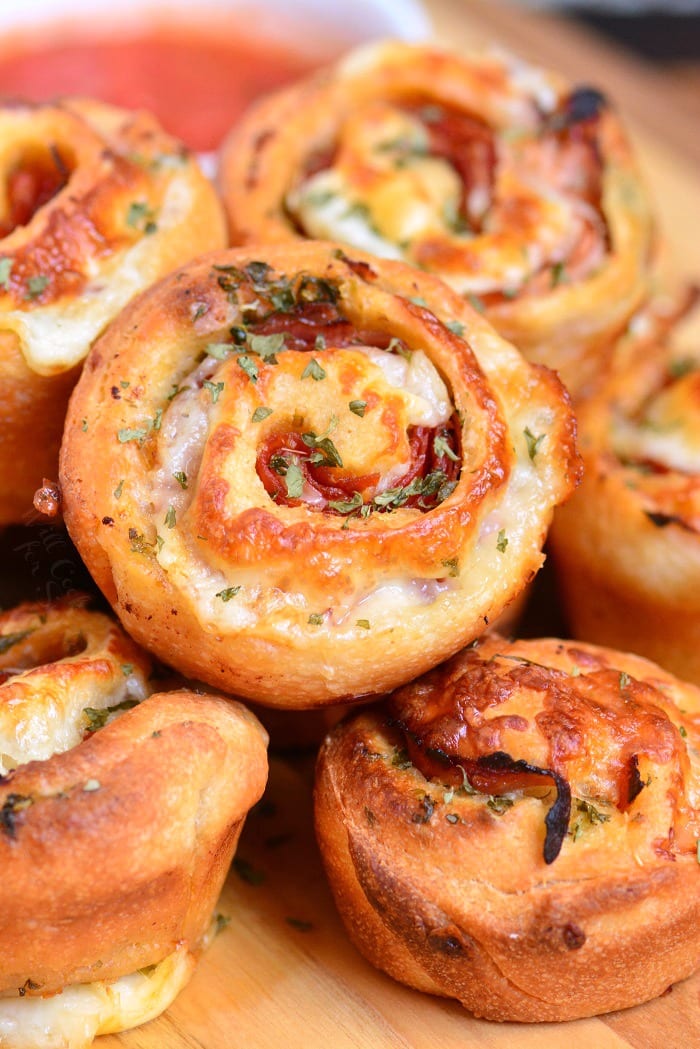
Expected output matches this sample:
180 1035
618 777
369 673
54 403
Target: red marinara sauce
197 85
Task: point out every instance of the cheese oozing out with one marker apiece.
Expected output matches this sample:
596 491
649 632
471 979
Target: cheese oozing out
80 1012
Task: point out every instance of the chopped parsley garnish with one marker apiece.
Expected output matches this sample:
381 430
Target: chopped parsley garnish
170 519
315 619
502 541
358 407
219 350
294 480
364 624
456 327
36 285
533 443
97 717
313 370
499 804
476 303
6 265
346 506
452 566
181 478
589 816
266 346
141 216
261 413
249 366
127 434
214 388
558 274
441 446
228 593
625 680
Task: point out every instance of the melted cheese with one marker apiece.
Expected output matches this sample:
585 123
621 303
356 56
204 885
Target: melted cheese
55 337
73 1018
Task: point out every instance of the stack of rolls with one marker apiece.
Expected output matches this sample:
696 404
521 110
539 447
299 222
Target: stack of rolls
312 470
90 760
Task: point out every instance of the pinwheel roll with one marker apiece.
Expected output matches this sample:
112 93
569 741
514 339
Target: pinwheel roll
518 830
95 205
119 814
516 188
628 550
308 476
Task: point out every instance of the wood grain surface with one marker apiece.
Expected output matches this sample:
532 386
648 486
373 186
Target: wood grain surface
282 974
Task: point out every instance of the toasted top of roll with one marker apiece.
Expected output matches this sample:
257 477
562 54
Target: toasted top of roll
517 188
325 473
156 790
96 203
518 829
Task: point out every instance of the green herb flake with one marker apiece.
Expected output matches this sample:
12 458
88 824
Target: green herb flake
319 343
141 216
219 350
294 481
502 542
97 717
127 669
315 619
364 624
215 389
476 303
452 566
346 506
358 407
624 680
247 872
533 443
441 447
36 285
228 593
427 808
138 433
327 453
313 370
261 413
170 519
400 759
558 274
84 425
266 346
249 366
418 300
456 327
682 730
499 804
181 478
6 265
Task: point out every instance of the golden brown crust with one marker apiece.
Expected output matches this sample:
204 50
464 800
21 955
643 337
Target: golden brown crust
441 455
517 189
627 549
545 865
96 204
114 847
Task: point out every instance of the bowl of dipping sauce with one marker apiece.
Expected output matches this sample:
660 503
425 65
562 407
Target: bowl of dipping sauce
196 67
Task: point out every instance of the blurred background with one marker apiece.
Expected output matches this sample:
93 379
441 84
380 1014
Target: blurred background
657 29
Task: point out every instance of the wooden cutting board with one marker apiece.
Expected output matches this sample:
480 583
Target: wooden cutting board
282 973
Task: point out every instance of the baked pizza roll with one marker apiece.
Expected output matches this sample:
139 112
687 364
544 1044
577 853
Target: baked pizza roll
321 473
516 188
518 830
95 205
627 550
119 815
